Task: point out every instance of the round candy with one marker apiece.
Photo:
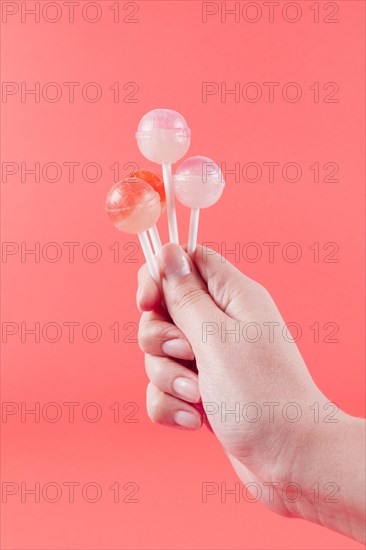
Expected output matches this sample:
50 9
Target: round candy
198 182
163 136
133 206
155 181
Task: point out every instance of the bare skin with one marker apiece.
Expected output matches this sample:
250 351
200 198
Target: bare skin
215 354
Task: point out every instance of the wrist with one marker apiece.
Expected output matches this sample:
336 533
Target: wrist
329 467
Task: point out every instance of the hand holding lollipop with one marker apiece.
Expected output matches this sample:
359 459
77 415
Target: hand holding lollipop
198 183
164 137
134 207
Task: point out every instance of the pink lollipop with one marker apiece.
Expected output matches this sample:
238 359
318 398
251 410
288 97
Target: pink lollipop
164 137
198 183
134 207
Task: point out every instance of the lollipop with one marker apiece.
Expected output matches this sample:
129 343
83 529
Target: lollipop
164 137
198 183
154 180
158 185
134 207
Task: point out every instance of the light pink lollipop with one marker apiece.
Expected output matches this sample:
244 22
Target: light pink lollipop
198 183
164 137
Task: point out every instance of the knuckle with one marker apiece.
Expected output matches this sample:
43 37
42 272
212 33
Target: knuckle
152 333
144 335
144 320
262 292
187 297
153 367
255 294
148 365
141 274
221 291
157 371
160 330
154 403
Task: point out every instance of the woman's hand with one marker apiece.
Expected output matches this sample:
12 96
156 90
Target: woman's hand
219 352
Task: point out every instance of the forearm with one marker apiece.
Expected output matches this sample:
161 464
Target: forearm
332 469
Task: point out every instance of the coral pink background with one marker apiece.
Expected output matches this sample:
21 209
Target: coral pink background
169 52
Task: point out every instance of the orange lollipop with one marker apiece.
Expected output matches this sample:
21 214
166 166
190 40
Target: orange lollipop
154 180
158 185
134 207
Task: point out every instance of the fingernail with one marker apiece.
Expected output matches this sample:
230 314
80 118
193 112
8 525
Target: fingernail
187 389
187 420
178 348
174 262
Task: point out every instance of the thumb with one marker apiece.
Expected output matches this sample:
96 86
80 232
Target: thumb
186 296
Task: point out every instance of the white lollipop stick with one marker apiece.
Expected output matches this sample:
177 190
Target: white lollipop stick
155 238
170 206
149 256
193 231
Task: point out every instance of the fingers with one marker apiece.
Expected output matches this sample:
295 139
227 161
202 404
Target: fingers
186 296
169 411
172 378
158 336
232 291
148 293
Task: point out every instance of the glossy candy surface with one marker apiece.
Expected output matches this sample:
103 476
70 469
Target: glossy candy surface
133 205
154 180
198 182
163 136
